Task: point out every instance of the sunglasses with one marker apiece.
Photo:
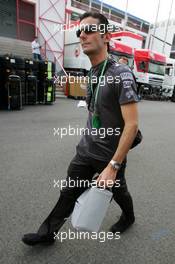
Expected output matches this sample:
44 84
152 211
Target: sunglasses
88 29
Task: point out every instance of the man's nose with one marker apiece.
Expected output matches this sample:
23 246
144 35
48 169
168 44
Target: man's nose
83 34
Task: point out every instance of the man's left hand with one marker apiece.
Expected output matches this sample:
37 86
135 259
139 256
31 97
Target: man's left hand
107 177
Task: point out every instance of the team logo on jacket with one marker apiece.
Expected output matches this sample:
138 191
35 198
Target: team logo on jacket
126 76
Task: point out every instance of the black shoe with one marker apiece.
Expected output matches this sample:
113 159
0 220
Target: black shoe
122 224
33 239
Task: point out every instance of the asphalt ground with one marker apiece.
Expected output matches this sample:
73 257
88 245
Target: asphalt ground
31 157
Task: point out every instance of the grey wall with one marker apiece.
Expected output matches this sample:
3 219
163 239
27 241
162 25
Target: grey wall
8 18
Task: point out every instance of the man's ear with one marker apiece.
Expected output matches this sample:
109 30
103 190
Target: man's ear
107 37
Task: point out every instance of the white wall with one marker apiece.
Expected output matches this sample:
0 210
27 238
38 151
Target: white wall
72 43
160 32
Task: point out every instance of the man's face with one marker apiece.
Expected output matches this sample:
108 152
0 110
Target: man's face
94 42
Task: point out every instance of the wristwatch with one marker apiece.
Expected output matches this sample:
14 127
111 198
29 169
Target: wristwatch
115 164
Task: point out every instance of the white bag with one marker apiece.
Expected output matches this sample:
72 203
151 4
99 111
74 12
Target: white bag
90 209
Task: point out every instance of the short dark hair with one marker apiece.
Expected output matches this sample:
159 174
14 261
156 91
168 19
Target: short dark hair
124 58
102 20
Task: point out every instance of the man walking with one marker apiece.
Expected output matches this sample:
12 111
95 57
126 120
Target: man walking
113 107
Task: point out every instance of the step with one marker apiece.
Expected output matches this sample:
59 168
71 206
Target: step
60 89
15 47
60 95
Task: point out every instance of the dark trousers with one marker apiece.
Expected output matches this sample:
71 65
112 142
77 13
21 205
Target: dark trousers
83 169
37 56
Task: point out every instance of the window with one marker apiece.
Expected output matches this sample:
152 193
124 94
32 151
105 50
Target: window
156 68
115 13
169 71
145 28
172 55
8 18
143 43
74 16
86 2
26 20
173 44
105 10
98 6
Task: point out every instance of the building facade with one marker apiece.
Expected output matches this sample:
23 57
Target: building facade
75 8
18 19
161 38
25 19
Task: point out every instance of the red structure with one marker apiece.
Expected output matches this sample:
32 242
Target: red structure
121 48
26 20
145 56
51 17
